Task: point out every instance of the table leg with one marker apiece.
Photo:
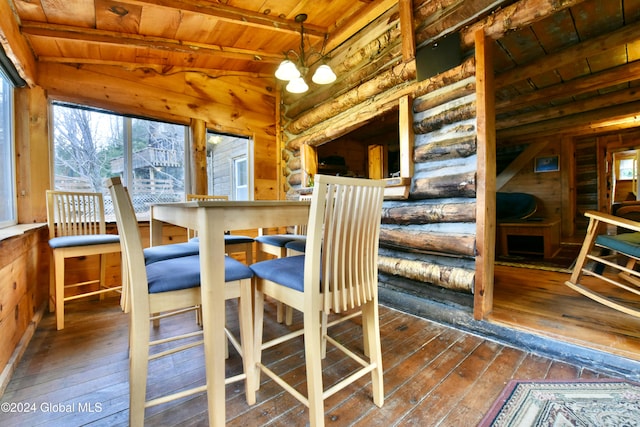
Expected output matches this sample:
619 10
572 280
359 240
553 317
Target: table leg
155 237
211 233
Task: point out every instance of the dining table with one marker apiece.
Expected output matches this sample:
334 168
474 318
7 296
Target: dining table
211 219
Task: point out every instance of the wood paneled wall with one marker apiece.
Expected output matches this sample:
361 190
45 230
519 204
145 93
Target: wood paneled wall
545 186
24 286
238 105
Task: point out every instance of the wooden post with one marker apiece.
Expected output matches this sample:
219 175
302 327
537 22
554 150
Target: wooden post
568 180
406 27
309 158
198 151
486 179
405 124
33 172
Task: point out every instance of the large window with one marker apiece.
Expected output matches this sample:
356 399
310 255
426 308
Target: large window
90 146
8 214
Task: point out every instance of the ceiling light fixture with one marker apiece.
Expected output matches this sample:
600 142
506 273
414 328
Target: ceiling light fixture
295 72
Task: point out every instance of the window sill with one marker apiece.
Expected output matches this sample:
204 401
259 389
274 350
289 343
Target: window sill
19 229
395 189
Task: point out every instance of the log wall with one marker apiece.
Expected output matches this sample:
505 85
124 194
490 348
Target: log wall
430 237
442 194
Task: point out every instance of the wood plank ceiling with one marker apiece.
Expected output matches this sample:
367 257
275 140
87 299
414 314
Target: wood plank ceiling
241 36
575 71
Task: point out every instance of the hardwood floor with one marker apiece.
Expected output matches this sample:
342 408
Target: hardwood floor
538 301
434 375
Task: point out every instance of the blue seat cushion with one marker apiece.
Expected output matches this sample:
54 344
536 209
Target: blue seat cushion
84 240
229 239
278 240
287 271
627 243
297 245
164 252
184 272
514 206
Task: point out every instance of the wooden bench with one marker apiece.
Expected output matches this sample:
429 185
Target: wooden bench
548 229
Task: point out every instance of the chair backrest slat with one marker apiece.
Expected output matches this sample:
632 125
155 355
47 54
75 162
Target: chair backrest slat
74 213
131 244
301 229
344 227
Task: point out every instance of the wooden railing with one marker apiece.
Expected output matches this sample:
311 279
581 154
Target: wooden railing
152 186
149 157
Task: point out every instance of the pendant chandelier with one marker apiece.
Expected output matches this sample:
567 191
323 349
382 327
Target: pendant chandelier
294 71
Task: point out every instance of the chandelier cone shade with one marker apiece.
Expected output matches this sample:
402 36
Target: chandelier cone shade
287 71
295 71
297 86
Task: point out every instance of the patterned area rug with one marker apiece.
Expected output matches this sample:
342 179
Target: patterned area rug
597 403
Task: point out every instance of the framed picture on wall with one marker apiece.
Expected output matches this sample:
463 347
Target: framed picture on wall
546 164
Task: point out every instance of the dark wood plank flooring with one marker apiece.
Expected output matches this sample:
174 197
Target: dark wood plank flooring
434 375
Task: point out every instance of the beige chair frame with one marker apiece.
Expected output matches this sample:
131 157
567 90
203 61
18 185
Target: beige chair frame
283 313
144 304
625 276
75 214
230 248
342 247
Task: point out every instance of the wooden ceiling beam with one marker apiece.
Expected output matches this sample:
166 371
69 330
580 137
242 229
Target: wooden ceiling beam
557 112
578 86
89 35
235 15
443 17
571 54
618 117
15 46
158 68
514 17
355 23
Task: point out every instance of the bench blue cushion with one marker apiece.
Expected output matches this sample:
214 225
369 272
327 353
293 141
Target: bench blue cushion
164 252
230 239
184 273
627 243
297 245
512 206
84 240
278 240
287 271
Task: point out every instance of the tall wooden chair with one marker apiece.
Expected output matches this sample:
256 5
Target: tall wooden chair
605 270
232 243
76 229
337 274
165 286
281 245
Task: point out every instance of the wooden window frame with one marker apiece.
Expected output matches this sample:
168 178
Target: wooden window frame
397 188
